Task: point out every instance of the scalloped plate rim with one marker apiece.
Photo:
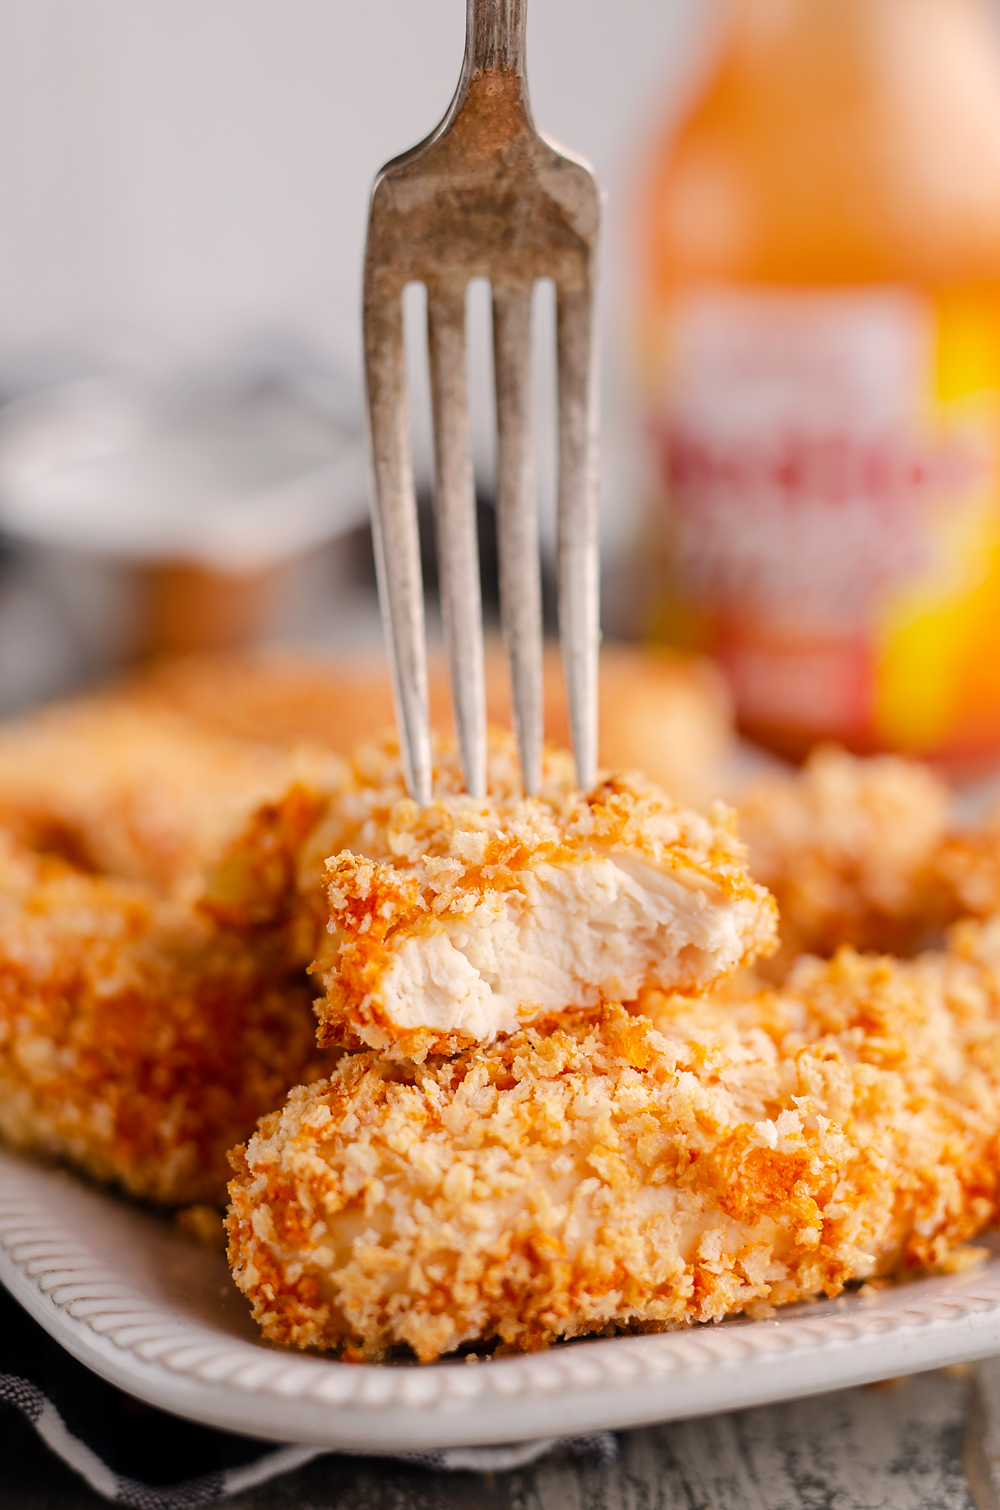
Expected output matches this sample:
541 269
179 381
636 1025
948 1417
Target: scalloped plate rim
162 1320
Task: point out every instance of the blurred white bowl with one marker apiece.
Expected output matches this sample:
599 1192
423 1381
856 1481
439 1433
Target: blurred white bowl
236 477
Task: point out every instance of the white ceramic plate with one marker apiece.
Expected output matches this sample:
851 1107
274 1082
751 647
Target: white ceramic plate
161 1318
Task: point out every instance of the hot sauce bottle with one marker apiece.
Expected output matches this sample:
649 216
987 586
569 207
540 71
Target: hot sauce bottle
820 355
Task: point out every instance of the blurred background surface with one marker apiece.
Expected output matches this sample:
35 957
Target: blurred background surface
184 191
176 174
801 319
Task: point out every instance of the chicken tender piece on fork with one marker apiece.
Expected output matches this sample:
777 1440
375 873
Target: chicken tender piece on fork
849 847
137 1042
468 918
272 876
622 1172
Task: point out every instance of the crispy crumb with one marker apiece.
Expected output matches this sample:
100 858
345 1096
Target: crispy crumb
872 1289
633 1171
455 922
137 1041
960 1260
662 711
969 866
849 848
205 1225
141 792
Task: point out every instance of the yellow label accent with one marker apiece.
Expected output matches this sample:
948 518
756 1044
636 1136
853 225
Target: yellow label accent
937 641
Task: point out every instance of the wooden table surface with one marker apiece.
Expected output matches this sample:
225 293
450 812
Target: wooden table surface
930 1442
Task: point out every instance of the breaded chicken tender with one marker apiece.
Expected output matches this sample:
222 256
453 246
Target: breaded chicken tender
849 847
968 864
662 712
137 1041
140 792
205 776
467 918
271 878
277 698
616 1171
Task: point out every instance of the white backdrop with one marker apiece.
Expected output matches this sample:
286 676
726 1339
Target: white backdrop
187 168
175 174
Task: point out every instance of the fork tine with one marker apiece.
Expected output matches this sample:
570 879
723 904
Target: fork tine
455 515
579 590
396 537
486 194
517 523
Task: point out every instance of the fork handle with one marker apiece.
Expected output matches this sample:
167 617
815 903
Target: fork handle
494 37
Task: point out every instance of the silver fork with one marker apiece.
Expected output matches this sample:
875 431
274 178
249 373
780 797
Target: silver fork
485 195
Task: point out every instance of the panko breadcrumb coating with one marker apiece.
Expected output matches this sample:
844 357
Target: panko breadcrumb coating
663 712
204 776
139 792
469 917
272 876
968 864
849 848
125 783
725 1154
273 698
137 1042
